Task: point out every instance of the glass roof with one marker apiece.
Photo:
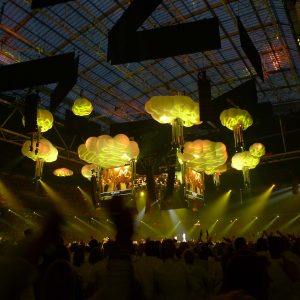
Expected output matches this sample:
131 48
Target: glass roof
119 92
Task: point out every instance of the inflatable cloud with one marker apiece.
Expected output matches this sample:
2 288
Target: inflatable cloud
46 151
243 160
82 107
233 117
108 152
88 170
203 155
257 150
165 109
44 120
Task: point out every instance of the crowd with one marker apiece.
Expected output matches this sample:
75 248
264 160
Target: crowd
42 267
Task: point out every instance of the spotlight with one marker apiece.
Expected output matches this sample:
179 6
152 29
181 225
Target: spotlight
9 210
142 193
75 217
277 216
217 220
37 179
273 185
78 186
256 218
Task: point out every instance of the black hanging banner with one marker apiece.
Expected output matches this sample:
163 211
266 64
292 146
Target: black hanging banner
250 50
204 92
30 112
61 69
126 44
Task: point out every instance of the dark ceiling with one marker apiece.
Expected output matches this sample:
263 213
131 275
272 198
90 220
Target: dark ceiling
119 92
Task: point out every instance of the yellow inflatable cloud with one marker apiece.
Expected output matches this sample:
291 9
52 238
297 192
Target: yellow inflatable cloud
243 160
82 107
233 117
88 170
219 170
107 152
46 151
257 150
44 120
203 155
165 109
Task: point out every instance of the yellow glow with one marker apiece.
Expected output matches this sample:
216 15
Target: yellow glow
107 151
62 172
151 228
173 230
140 205
37 214
76 227
228 227
218 207
268 225
203 155
164 119
86 224
21 217
248 226
233 117
219 170
193 229
289 223
165 109
86 196
259 203
105 226
125 156
257 150
213 226
244 159
58 200
88 170
82 107
44 120
8 198
46 151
